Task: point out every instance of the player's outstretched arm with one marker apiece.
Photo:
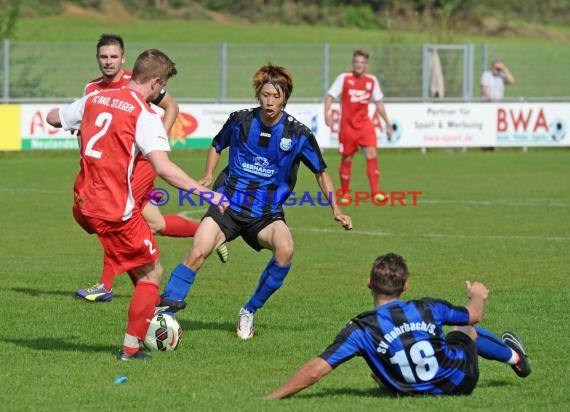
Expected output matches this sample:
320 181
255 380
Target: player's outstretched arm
212 160
53 118
477 293
171 110
309 374
176 177
327 188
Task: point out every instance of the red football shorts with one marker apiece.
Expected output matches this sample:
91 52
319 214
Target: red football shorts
142 182
127 245
351 138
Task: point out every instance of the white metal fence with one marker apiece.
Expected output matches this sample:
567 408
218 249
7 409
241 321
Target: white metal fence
42 71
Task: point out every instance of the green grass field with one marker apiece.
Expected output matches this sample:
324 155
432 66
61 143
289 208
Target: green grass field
499 217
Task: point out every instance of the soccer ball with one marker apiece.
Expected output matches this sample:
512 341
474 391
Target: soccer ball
557 129
164 333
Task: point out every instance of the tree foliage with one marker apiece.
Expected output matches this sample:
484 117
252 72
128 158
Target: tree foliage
9 14
461 14
544 11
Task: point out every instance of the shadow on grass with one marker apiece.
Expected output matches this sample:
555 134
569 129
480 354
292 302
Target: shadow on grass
493 383
379 393
66 293
38 292
360 393
199 325
58 344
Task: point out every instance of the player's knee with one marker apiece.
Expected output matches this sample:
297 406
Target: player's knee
284 252
468 330
159 270
154 274
195 258
370 152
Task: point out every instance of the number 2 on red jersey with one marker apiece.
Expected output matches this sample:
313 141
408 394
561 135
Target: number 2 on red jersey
103 121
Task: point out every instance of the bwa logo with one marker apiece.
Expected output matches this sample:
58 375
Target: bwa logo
529 125
522 120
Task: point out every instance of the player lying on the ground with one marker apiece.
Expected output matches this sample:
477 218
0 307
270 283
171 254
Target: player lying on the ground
404 345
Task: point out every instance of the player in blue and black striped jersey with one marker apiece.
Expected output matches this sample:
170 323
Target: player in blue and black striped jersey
404 345
266 146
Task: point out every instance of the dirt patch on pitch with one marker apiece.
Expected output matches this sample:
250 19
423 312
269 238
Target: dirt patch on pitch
109 10
496 27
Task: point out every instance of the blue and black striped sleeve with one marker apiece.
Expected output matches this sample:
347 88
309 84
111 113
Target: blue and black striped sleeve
449 314
345 346
311 154
223 138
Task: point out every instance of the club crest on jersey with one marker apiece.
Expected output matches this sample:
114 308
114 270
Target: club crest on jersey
285 144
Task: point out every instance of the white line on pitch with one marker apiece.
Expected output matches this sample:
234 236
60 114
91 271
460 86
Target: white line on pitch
199 211
437 235
498 202
34 190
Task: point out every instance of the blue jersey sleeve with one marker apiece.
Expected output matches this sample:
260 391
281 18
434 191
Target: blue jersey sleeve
449 314
311 154
223 138
345 346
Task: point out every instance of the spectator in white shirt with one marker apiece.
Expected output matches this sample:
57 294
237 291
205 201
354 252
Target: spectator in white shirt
493 81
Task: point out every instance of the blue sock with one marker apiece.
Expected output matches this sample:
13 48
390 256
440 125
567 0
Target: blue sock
271 279
491 347
179 284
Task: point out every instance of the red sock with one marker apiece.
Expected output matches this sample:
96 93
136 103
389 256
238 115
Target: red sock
345 174
373 174
141 309
107 277
177 226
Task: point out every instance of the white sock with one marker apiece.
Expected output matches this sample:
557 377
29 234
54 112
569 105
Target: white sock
515 357
131 341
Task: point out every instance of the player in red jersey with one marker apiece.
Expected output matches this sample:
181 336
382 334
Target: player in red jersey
356 90
110 58
118 129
